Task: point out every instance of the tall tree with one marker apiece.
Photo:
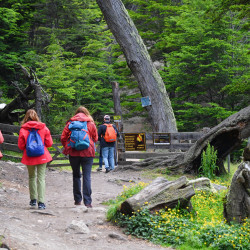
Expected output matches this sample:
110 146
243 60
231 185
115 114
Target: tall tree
149 80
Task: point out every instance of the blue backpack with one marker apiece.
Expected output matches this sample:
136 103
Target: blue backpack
34 144
79 138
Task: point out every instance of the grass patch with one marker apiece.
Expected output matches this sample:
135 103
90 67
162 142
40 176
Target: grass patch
203 228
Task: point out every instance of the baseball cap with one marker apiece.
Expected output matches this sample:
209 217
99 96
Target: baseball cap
106 117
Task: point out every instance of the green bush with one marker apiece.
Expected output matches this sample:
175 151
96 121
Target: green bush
208 162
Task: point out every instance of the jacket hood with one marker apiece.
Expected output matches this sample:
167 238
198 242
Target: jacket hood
81 117
33 124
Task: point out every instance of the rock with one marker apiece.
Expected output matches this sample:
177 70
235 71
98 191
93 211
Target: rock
94 237
117 236
218 187
202 183
79 209
78 227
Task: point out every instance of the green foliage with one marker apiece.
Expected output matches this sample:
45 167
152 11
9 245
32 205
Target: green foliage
201 43
208 162
193 116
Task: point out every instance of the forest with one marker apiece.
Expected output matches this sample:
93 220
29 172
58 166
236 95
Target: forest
199 47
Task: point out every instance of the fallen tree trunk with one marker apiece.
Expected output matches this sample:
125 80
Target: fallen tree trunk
225 138
159 194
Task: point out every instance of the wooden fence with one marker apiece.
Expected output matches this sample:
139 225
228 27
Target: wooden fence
178 141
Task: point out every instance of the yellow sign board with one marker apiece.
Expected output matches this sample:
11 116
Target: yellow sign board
135 141
117 118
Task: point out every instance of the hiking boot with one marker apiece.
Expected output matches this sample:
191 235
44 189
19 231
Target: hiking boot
108 170
99 169
77 203
41 206
89 206
33 204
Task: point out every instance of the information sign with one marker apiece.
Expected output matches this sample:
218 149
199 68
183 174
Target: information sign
117 118
135 142
145 101
161 138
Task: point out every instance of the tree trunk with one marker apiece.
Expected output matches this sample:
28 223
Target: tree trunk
117 104
149 80
237 206
160 194
225 138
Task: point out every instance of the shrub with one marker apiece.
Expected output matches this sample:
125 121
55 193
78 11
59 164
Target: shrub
208 162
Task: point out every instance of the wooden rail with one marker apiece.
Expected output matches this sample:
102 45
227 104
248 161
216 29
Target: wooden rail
178 141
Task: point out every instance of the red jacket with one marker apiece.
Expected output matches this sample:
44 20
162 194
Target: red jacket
44 132
90 151
1 137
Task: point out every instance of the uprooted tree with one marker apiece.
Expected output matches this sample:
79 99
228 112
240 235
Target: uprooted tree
225 138
32 96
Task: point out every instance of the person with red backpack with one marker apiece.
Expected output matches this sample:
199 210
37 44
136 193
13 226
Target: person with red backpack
107 135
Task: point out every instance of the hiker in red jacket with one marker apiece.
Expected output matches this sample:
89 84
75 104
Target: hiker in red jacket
36 164
78 158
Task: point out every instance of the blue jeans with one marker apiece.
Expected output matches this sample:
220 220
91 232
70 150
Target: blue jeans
86 162
108 157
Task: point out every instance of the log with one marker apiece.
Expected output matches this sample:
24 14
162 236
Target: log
160 194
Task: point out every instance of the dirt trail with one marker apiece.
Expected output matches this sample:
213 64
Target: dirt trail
58 227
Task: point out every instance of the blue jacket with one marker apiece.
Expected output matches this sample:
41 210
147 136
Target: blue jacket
101 133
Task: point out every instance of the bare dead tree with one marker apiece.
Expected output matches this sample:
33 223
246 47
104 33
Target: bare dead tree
33 96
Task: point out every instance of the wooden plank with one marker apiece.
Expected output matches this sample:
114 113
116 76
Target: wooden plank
9 128
186 136
10 138
10 147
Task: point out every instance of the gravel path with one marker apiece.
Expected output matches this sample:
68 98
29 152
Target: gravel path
62 225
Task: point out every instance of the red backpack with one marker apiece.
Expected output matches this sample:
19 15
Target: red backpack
110 134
